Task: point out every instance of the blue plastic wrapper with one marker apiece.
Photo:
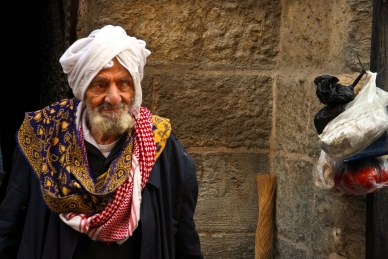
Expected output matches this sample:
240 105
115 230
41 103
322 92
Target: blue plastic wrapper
378 148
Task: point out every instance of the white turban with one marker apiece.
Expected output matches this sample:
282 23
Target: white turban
86 57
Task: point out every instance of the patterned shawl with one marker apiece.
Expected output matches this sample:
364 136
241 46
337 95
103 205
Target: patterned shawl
51 143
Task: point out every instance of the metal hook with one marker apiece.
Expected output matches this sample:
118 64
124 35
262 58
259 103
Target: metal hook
359 61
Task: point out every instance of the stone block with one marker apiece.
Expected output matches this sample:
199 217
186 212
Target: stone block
332 224
227 199
296 107
209 110
217 34
225 245
320 34
294 194
285 249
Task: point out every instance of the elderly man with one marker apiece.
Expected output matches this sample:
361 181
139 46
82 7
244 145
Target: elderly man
99 176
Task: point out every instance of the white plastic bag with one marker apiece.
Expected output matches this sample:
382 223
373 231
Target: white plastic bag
323 172
363 121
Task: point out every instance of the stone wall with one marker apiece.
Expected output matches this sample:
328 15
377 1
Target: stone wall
236 80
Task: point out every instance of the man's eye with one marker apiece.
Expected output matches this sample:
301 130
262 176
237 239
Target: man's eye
100 85
126 85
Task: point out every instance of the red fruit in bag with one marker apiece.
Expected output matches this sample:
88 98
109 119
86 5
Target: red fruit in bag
337 188
350 183
367 177
384 175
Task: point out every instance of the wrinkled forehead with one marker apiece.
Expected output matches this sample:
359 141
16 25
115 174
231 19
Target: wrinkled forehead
113 70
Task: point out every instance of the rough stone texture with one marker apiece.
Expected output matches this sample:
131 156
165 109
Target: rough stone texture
335 256
225 180
210 34
290 250
326 35
224 245
296 107
313 220
227 204
236 80
209 110
293 198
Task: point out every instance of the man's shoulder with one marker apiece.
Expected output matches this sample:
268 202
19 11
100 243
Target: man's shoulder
162 129
161 123
57 107
60 114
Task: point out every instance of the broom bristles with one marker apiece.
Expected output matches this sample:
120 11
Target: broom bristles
266 184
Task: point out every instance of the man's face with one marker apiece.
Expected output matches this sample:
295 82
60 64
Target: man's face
111 89
108 99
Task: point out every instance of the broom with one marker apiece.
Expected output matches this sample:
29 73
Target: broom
266 184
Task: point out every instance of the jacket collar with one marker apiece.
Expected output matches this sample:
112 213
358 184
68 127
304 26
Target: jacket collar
155 175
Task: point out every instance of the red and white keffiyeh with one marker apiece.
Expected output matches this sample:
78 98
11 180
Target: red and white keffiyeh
121 216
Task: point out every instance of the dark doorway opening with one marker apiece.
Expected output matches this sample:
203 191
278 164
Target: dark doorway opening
21 72
35 35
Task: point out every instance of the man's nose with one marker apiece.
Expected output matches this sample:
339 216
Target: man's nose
113 95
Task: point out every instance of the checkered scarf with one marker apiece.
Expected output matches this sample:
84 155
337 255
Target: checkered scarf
119 219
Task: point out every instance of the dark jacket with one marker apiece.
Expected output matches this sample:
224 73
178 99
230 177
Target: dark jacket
29 229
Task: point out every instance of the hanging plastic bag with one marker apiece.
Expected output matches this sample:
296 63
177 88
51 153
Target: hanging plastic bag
378 148
356 178
323 172
327 114
361 177
364 120
335 96
330 92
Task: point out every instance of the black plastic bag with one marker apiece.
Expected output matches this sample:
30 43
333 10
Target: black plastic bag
335 96
329 92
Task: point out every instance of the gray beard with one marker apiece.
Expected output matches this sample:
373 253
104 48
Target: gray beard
113 125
